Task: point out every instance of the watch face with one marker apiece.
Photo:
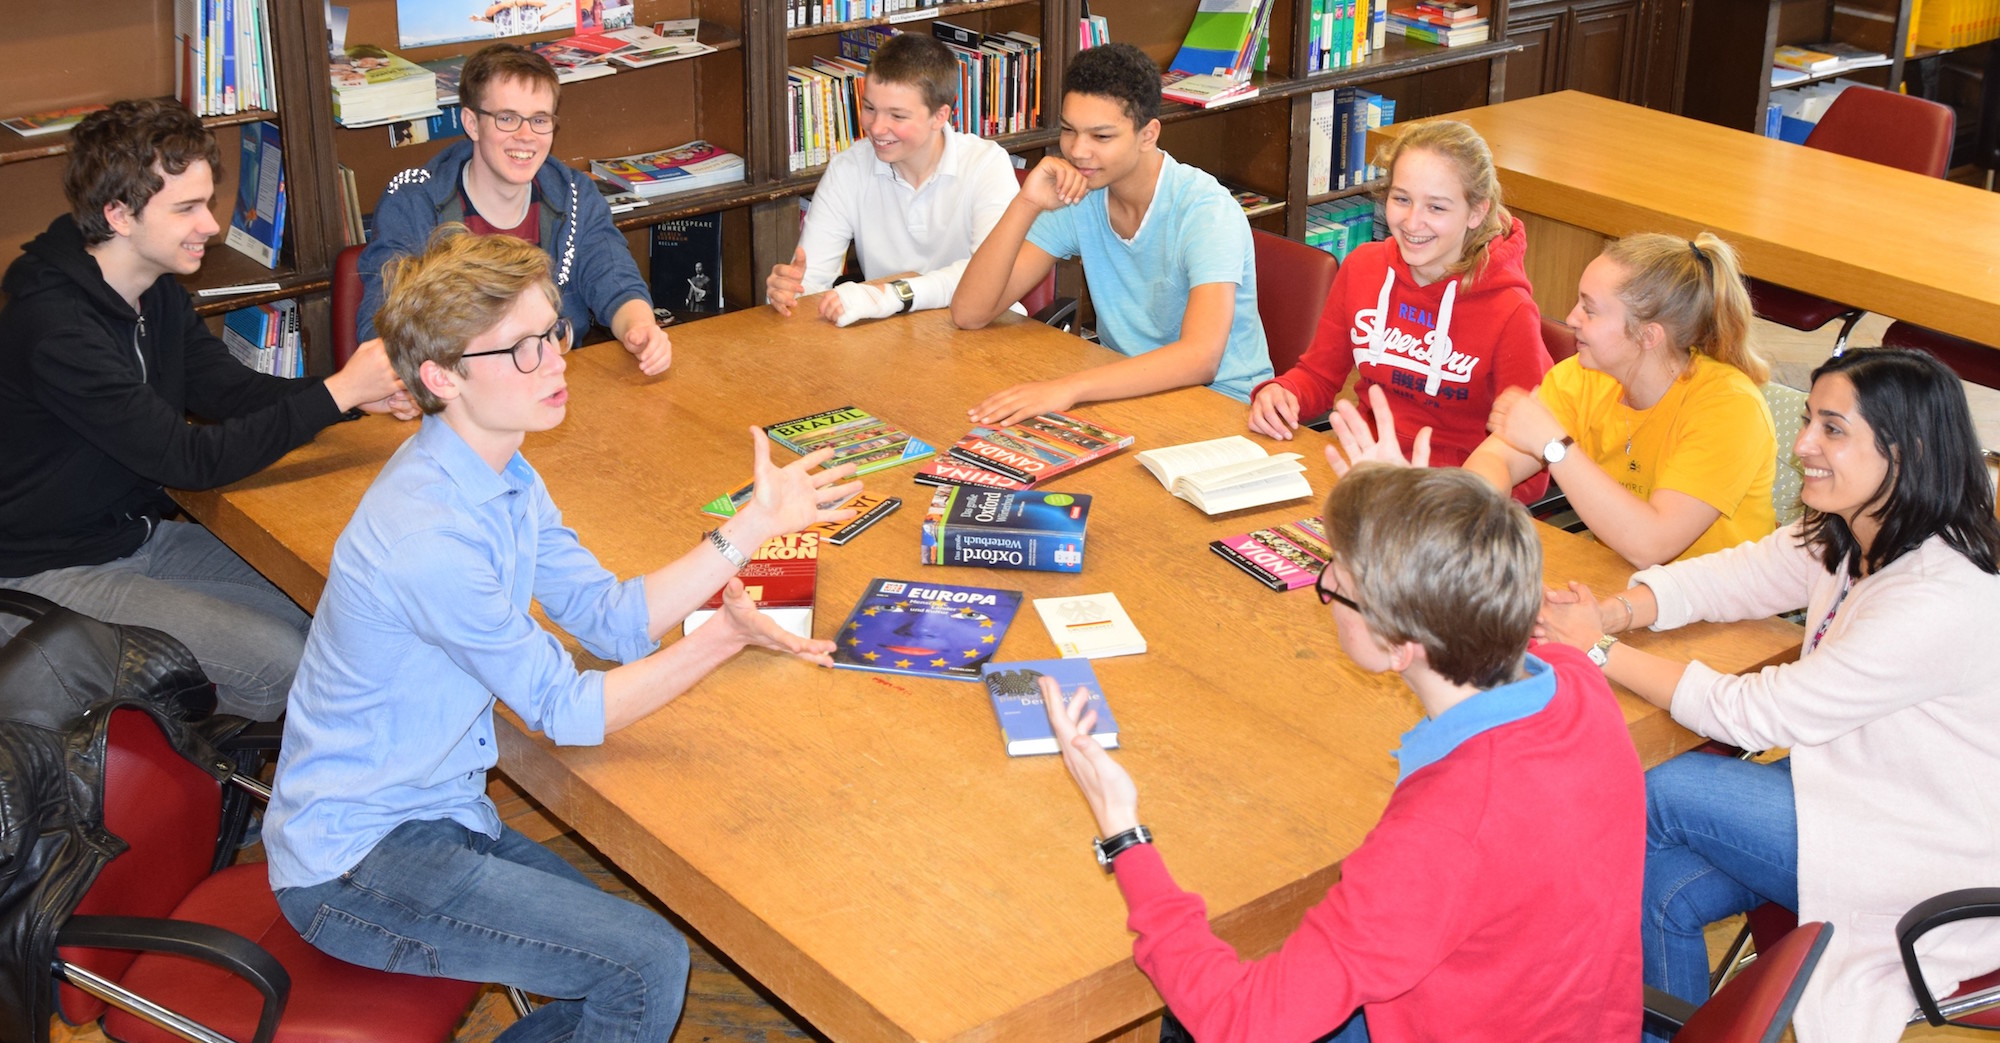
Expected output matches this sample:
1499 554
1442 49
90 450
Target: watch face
1555 450
1597 655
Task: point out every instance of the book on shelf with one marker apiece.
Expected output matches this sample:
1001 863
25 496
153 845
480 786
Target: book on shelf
54 121
446 72
1255 204
222 56
686 264
856 436
373 86
257 222
584 56
1805 60
1339 225
781 577
1849 57
1443 34
664 42
682 168
1344 33
1091 31
949 470
1016 691
616 196
1227 474
1090 626
1038 448
266 338
1448 11
1222 39
1205 92
1282 557
924 629
1006 529
1337 137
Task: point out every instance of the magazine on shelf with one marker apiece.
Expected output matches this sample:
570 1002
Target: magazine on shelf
54 121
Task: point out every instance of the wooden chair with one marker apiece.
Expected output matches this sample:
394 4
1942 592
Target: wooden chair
1754 1008
1897 130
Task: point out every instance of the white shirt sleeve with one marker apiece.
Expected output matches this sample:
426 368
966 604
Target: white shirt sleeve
830 223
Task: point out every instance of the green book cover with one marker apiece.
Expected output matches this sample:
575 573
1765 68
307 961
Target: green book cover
857 437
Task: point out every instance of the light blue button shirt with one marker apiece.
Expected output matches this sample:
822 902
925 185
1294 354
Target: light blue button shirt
1433 739
423 623
1193 233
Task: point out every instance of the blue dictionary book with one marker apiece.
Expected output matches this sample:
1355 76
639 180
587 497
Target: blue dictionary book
1006 528
925 629
257 226
1015 689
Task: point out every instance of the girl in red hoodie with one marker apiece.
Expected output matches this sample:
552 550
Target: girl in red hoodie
1439 317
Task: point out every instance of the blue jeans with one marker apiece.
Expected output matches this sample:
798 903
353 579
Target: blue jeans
1721 838
437 899
246 634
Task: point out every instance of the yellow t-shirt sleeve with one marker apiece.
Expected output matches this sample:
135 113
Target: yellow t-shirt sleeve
1724 444
1562 392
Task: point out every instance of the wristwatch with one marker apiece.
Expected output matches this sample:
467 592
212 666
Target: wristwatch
1107 850
905 293
1557 448
729 551
1600 653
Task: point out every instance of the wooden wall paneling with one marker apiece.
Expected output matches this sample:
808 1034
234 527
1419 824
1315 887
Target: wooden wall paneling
1602 48
1663 57
1537 69
1559 253
1728 35
1297 169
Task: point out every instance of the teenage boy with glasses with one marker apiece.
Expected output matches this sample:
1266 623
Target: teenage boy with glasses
1498 896
383 847
502 181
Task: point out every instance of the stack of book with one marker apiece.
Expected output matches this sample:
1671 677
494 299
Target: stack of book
1340 225
1791 64
1219 53
585 56
1947 24
1444 24
223 56
1337 141
373 86
1345 32
682 168
665 42
266 338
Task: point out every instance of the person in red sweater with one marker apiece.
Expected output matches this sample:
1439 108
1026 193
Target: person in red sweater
1440 316
1498 897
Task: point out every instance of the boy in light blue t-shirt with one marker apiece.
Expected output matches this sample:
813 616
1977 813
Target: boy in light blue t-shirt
1165 248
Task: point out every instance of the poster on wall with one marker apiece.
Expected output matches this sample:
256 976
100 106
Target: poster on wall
597 16
423 23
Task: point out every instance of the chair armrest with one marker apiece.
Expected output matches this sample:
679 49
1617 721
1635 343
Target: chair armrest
1061 313
1666 1013
226 949
1950 907
252 735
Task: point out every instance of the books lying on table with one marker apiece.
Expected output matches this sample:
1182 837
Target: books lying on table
1282 557
872 509
682 168
1038 448
1090 626
36 124
857 437
947 470
1227 474
781 578
1016 691
1006 529
925 629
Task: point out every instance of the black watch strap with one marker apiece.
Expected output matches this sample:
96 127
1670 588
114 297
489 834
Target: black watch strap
1108 850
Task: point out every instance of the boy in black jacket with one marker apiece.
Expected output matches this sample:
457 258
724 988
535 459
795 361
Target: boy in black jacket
102 357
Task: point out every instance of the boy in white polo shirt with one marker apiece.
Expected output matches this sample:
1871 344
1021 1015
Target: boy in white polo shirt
914 196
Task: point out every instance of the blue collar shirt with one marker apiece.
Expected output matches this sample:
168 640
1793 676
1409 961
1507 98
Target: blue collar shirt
1433 739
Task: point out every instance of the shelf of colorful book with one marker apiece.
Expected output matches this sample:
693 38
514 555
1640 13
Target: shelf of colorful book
15 148
1397 59
801 182
919 15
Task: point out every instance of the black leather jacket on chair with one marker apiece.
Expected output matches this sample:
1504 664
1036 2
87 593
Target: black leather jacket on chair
61 675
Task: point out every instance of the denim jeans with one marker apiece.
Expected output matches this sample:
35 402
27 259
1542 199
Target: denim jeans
1721 838
246 634
437 899
1355 1030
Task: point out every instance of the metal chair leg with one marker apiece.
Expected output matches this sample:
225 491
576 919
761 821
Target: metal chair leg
1848 321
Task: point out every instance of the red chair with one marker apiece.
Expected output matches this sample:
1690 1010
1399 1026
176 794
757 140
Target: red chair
346 304
1042 302
1292 283
1558 338
1973 362
1756 1007
1896 130
159 940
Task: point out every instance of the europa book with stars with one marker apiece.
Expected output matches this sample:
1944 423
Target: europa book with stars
925 629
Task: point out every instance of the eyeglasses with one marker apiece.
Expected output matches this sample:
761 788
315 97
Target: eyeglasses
1328 597
558 335
509 122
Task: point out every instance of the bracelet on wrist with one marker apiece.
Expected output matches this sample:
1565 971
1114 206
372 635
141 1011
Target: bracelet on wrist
1109 850
729 551
1629 614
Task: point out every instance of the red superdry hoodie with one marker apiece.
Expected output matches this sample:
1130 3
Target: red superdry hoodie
1441 352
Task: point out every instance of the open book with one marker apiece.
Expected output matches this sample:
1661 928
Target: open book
1227 474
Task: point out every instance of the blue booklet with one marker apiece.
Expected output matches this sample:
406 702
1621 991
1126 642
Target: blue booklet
925 629
1015 689
257 225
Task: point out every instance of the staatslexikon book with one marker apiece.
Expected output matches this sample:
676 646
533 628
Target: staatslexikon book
1038 448
1016 691
858 437
925 629
1006 529
781 578
1282 557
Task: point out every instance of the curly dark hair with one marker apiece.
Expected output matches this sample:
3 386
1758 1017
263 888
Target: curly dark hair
1121 72
116 156
1936 485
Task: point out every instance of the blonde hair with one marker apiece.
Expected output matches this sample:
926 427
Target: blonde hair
1468 155
1440 558
441 300
1694 290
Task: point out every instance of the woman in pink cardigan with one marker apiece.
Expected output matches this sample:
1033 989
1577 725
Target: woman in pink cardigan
1891 793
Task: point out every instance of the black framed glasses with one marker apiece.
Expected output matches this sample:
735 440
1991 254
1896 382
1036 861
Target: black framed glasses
1328 597
528 352
507 122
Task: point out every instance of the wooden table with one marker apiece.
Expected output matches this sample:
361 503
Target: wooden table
860 843
1579 168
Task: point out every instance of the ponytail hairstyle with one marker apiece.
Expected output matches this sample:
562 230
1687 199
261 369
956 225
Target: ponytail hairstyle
1467 153
1694 290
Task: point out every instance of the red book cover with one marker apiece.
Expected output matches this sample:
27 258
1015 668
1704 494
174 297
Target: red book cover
781 578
